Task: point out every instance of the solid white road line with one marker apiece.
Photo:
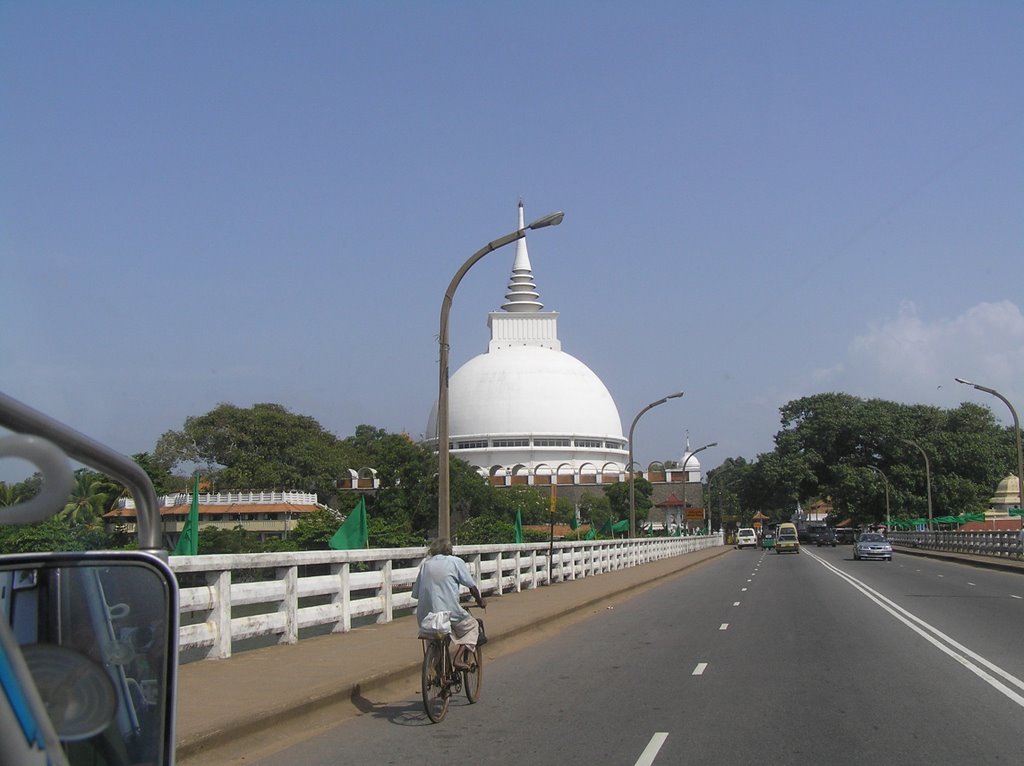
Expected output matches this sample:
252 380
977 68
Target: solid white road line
647 756
937 638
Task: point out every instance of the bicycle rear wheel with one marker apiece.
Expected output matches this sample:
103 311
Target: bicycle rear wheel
473 677
435 695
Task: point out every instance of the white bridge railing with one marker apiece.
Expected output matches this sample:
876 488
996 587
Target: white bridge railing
1002 544
230 598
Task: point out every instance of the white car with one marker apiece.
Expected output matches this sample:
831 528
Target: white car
746 536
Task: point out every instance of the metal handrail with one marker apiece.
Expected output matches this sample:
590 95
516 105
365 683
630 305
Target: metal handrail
20 418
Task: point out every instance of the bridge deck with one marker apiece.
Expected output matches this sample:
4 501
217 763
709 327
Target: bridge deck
221 701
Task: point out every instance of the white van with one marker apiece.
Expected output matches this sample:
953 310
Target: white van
746 536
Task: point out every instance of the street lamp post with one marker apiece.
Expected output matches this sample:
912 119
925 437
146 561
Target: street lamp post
927 478
687 460
443 478
886 480
629 465
1016 431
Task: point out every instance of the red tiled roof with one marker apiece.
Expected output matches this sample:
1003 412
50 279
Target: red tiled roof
670 502
219 508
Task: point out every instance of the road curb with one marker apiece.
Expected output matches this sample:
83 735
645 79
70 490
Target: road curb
984 562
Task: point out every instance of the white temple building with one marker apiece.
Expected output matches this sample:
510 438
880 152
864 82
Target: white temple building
527 410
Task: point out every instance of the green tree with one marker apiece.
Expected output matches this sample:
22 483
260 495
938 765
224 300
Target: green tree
595 509
618 499
313 530
163 481
261 447
407 474
484 530
90 495
533 503
55 534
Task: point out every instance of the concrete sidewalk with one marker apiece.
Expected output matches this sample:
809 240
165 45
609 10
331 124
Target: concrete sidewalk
220 701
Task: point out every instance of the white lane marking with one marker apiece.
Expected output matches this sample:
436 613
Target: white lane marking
934 636
724 626
737 603
1012 596
647 756
699 670
743 590
971 584
750 580
942 575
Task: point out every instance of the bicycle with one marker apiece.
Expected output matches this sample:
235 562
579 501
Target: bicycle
439 679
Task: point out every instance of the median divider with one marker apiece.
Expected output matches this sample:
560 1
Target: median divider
223 701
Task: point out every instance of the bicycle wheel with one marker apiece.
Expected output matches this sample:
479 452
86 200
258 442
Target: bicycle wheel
435 695
472 678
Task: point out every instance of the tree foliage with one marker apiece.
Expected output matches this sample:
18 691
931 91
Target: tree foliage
257 448
58 533
833 445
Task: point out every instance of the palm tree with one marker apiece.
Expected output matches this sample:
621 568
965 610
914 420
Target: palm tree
88 500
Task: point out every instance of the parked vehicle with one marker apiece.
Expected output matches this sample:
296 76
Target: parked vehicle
746 537
871 545
787 539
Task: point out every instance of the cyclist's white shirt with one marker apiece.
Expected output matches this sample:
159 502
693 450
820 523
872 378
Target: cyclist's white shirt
437 587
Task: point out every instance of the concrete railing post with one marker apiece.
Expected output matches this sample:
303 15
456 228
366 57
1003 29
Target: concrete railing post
289 605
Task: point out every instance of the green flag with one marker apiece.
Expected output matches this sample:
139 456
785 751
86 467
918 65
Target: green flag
607 528
519 528
352 534
591 534
574 523
188 541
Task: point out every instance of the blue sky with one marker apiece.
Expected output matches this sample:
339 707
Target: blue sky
264 202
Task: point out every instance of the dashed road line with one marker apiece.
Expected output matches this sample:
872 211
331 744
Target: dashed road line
699 670
724 626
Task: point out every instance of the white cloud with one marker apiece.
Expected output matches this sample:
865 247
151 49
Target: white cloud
907 358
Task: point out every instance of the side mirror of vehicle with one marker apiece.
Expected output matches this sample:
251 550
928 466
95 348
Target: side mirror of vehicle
88 650
88 640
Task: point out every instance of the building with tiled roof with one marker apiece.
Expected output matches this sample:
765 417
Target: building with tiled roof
264 514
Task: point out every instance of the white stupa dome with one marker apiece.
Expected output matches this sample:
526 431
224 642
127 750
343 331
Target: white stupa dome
531 390
526 404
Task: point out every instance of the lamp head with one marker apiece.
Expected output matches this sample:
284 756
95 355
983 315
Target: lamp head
552 219
965 382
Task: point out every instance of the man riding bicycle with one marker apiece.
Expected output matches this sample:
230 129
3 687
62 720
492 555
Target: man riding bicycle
437 590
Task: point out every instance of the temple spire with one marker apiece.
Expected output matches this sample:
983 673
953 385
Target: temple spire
521 294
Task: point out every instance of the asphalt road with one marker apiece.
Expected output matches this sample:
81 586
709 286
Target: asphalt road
750 658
